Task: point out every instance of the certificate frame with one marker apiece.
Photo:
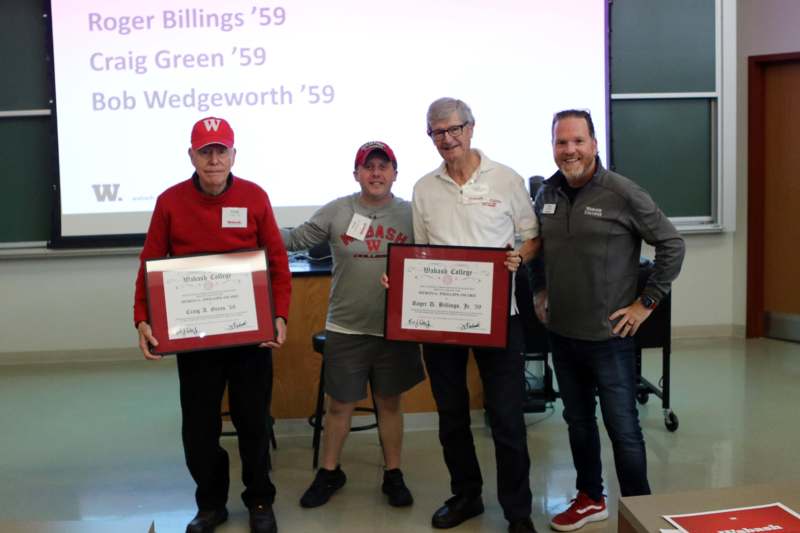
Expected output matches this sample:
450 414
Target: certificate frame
495 336
246 266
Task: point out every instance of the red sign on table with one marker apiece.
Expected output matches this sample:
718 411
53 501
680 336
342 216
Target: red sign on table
771 517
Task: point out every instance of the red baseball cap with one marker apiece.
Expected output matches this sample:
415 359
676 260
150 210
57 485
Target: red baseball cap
212 130
368 148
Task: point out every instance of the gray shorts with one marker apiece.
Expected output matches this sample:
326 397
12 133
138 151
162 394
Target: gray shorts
391 367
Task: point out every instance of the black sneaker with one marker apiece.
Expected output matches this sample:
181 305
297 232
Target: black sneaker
395 488
325 483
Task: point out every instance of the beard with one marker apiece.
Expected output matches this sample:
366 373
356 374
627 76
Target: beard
577 173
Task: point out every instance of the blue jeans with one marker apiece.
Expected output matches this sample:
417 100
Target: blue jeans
502 375
606 369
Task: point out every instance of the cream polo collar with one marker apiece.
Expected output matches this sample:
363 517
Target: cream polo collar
485 166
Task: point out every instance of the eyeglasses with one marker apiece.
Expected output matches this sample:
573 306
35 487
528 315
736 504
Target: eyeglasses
208 152
454 131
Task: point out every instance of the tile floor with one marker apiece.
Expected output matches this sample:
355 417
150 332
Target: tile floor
96 447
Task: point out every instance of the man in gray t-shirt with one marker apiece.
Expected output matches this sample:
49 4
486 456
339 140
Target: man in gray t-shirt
359 228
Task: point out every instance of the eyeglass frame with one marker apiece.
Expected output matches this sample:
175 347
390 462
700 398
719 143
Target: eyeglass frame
440 133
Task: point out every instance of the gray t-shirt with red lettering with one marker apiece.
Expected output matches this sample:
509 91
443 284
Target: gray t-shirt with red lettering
357 298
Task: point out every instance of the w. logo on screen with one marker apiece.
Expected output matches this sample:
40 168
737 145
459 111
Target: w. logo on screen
106 192
211 124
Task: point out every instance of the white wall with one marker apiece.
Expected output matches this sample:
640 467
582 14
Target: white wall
67 303
85 303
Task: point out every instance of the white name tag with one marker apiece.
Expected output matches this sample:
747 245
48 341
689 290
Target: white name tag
474 193
549 209
234 217
359 225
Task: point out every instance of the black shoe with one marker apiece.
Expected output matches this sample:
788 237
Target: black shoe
262 519
456 510
394 487
206 521
523 525
325 483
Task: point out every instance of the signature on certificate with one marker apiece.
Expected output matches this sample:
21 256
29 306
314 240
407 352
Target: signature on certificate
419 323
470 325
187 331
237 324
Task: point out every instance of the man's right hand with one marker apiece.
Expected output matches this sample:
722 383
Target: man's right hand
540 305
146 339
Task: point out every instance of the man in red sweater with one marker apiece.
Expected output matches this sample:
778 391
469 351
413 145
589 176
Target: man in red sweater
212 212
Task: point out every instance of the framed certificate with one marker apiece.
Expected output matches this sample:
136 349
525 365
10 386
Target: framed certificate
448 295
209 301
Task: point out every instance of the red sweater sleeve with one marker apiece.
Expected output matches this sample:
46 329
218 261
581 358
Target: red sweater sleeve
280 276
156 244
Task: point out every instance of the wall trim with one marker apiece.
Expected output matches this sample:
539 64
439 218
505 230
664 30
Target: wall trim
133 353
70 356
708 331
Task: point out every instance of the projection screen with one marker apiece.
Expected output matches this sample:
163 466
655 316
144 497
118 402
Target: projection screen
304 83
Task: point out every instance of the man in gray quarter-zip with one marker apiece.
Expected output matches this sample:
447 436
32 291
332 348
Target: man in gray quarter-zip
359 228
593 222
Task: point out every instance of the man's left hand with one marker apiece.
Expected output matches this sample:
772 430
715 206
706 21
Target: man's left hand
513 260
630 318
280 335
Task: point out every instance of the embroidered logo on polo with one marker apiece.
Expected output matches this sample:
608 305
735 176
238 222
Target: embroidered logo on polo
593 211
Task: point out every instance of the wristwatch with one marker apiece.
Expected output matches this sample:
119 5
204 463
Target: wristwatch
648 301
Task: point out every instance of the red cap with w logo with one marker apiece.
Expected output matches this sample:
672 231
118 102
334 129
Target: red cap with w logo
212 130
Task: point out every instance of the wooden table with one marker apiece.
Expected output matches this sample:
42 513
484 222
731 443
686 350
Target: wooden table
296 365
640 514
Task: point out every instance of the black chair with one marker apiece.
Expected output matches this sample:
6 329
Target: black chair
655 332
539 393
315 420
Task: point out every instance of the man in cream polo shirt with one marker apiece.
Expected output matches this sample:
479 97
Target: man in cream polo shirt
470 200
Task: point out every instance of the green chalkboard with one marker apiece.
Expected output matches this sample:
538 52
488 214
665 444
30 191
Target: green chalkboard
665 146
662 46
27 199
26 146
23 45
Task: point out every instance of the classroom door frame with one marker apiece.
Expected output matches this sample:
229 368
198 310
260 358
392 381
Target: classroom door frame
756 95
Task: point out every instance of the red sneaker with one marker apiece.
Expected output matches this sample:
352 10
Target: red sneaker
582 511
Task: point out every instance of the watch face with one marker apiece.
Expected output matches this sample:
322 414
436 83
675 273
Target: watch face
648 302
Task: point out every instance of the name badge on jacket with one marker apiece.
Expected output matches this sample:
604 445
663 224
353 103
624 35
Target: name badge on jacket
234 217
